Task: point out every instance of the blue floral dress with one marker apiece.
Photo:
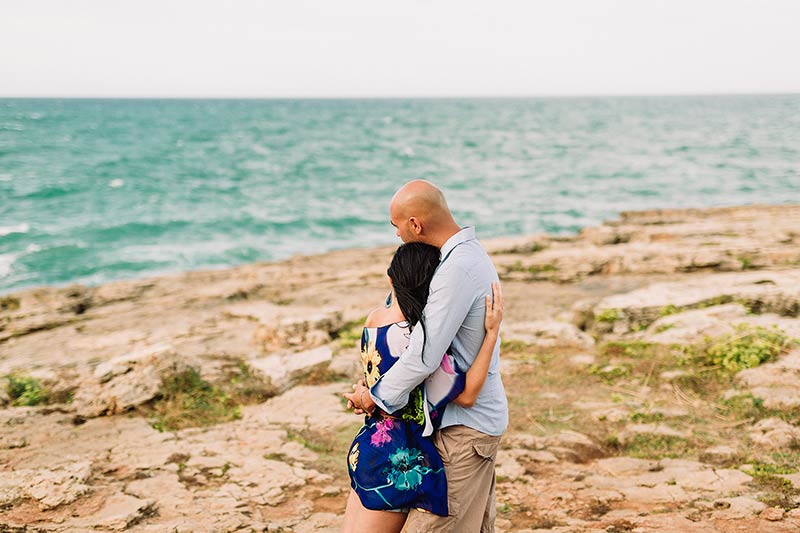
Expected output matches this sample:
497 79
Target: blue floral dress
392 466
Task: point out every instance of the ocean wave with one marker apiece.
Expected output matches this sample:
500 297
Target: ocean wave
6 262
19 228
51 192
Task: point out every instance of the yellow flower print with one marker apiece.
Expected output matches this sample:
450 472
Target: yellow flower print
370 358
353 457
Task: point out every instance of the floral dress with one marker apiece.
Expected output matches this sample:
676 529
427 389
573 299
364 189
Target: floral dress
391 465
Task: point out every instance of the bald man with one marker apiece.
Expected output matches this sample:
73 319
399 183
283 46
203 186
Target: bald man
454 320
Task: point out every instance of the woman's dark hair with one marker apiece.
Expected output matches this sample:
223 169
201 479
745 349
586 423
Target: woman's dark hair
411 272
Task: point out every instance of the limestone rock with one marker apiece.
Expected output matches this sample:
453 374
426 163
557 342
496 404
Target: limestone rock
774 433
547 333
773 514
119 511
573 446
283 370
777 383
719 455
5 399
125 382
631 431
507 466
736 508
346 365
768 292
49 487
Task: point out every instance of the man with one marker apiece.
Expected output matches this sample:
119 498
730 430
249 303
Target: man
468 437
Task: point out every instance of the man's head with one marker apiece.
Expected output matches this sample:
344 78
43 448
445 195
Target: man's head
419 212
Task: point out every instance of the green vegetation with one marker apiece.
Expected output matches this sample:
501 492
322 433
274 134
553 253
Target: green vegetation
716 300
742 407
610 373
664 327
25 390
608 315
670 309
9 303
245 385
646 418
746 261
654 446
747 347
634 349
187 400
535 269
778 491
514 347
349 335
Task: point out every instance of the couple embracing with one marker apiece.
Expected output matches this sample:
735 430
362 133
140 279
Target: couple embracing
433 400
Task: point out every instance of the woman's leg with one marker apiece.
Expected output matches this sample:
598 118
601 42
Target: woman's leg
358 519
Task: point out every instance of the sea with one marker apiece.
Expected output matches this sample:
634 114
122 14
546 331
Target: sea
95 190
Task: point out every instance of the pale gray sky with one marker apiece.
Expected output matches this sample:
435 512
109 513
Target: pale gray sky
288 48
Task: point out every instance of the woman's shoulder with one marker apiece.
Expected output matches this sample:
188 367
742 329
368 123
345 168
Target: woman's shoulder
381 316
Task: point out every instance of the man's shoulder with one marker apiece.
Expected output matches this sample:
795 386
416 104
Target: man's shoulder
470 257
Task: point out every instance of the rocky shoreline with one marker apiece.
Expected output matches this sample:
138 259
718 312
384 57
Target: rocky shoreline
651 366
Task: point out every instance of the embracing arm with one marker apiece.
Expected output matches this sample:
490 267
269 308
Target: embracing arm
452 295
476 375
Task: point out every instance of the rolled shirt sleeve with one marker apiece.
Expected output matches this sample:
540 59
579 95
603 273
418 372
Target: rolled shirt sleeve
452 295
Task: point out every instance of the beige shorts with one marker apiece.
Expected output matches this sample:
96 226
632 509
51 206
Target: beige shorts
469 460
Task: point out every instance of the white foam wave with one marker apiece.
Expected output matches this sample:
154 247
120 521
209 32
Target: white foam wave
6 261
116 183
19 228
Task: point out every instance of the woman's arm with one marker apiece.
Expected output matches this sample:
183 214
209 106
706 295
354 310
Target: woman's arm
476 375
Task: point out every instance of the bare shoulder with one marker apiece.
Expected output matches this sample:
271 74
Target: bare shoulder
375 317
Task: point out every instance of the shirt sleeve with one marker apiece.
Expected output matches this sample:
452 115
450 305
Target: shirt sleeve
451 297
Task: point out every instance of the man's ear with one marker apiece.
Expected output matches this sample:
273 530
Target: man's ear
415 225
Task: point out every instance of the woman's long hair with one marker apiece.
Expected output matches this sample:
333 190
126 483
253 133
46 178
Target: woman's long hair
411 272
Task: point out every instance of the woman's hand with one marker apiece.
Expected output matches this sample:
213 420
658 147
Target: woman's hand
494 309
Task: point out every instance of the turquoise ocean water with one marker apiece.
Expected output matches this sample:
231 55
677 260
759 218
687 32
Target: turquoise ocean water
97 190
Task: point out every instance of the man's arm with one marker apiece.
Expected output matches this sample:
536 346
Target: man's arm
452 295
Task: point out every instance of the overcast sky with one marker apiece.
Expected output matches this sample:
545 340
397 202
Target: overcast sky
285 48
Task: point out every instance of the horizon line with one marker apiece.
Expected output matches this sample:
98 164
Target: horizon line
401 97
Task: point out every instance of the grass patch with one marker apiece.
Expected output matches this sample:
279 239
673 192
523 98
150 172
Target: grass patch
608 315
747 347
514 347
188 400
25 390
653 446
9 303
349 335
535 269
610 373
646 418
632 349
747 406
669 309
716 300
664 327
777 491
745 261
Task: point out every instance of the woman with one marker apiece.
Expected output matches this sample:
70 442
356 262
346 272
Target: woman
392 466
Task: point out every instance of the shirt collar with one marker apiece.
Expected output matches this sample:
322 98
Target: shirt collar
467 233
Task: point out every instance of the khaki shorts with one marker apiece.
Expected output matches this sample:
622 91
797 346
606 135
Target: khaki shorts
469 460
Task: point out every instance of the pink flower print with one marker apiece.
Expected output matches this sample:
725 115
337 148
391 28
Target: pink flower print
381 435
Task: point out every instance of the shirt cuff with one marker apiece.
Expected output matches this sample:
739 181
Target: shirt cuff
380 403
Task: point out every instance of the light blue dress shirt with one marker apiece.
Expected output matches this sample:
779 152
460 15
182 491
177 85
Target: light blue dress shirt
454 320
